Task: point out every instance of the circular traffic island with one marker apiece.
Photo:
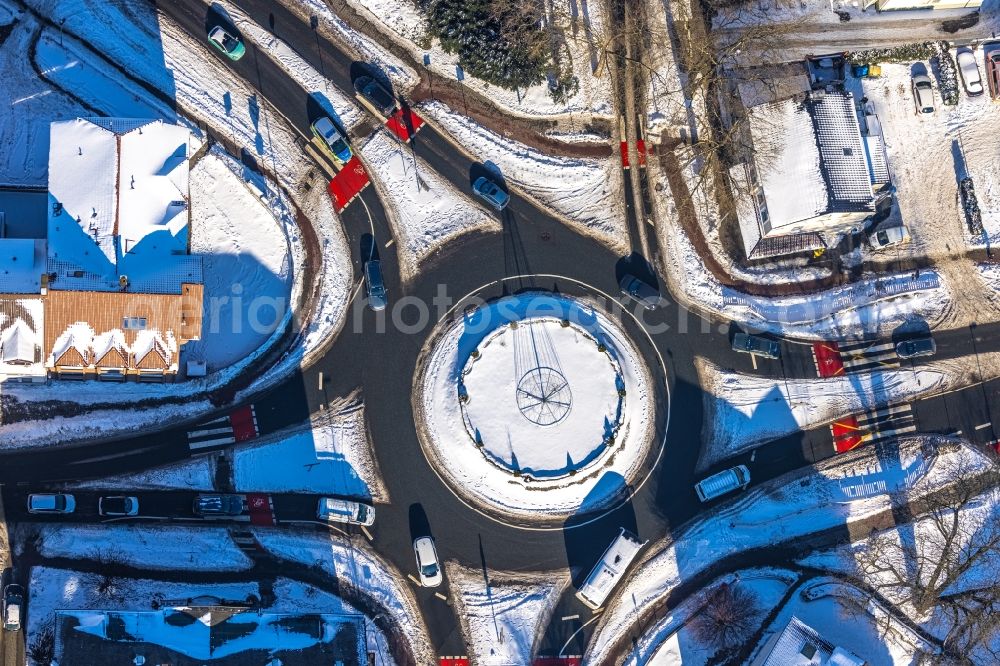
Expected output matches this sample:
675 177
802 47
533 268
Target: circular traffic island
534 409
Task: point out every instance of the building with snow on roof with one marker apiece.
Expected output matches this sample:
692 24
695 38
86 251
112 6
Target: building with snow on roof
123 293
813 175
798 644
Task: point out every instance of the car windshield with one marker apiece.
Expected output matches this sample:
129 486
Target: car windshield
228 41
339 145
883 237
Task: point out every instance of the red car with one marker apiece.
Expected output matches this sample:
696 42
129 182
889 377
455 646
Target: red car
993 73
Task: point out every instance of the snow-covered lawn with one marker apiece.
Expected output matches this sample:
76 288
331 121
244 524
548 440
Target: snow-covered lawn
786 508
586 193
670 642
503 620
582 28
448 436
358 569
27 106
743 410
193 474
247 266
77 69
146 546
425 209
332 456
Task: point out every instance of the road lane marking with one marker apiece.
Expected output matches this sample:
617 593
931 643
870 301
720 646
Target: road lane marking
440 596
567 618
367 533
753 359
391 241
415 581
984 425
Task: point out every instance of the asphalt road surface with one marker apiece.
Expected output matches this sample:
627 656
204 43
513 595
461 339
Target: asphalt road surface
381 360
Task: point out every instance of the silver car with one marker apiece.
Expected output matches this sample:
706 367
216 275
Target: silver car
969 70
888 237
491 192
923 94
428 565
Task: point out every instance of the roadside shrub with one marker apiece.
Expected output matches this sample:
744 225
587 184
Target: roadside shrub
729 618
497 41
895 54
948 83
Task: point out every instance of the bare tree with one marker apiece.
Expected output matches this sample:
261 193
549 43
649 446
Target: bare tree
105 583
942 562
42 648
728 619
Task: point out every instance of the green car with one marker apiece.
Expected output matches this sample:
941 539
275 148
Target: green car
222 40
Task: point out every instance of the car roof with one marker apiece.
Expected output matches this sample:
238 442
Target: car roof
425 547
324 125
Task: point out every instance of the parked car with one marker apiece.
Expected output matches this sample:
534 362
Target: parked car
993 73
726 481
118 505
923 93
374 286
644 294
610 569
218 505
345 511
755 344
230 45
427 562
376 95
969 70
331 140
13 602
917 347
888 237
51 503
491 192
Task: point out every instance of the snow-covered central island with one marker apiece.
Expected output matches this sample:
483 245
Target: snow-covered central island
534 408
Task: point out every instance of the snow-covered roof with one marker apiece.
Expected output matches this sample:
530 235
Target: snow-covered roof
798 645
22 263
118 199
787 160
810 157
21 324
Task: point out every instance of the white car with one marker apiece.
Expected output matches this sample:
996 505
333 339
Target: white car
51 503
969 70
884 238
427 562
923 93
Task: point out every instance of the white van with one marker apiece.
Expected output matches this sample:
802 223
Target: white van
345 511
610 569
726 481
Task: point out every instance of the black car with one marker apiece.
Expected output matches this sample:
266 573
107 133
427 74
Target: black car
376 95
755 344
645 295
917 347
219 505
118 505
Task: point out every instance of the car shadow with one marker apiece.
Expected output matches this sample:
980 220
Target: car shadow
490 171
419 525
318 105
367 248
218 16
638 266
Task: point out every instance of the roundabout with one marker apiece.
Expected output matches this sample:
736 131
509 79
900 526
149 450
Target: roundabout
535 408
